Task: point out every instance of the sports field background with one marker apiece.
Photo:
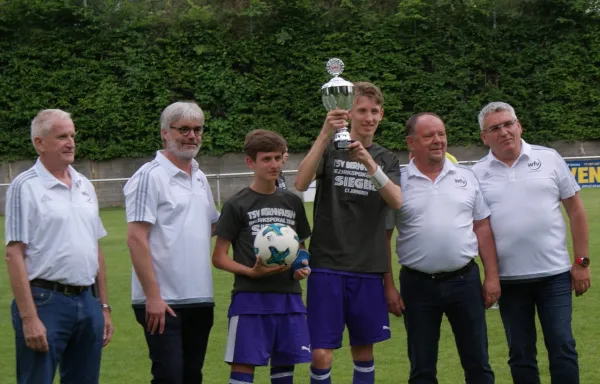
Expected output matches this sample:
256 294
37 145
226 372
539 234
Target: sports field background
125 360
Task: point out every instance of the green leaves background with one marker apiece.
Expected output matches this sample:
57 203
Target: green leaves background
260 64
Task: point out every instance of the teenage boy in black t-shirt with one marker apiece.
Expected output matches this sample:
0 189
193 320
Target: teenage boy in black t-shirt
267 317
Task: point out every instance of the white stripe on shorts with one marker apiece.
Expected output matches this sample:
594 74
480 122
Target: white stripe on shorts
231 336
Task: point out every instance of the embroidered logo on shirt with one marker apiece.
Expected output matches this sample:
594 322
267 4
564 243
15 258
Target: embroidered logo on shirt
172 182
486 176
460 182
407 187
200 181
46 198
535 165
86 196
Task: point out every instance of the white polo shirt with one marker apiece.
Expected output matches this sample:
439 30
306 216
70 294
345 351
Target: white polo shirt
530 232
181 210
435 223
60 225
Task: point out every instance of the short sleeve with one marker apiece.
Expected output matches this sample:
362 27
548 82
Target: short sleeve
16 220
100 230
230 223
141 196
390 219
302 225
481 210
322 163
567 185
393 169
212 213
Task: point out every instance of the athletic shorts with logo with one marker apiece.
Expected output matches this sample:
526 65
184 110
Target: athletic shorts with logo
267 327
338 299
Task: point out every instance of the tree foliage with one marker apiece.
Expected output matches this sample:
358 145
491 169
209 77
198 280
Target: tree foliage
260 64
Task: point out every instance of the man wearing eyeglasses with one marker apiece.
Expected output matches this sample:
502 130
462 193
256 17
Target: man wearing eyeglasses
524 186
171 216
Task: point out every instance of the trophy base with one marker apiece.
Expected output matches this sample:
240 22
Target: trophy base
342 145
341 140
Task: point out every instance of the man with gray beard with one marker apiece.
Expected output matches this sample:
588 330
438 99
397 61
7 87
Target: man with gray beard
171 216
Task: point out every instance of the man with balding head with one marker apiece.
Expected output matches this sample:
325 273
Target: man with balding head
54 259
442 226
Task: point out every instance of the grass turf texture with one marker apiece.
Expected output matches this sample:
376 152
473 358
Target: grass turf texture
126 360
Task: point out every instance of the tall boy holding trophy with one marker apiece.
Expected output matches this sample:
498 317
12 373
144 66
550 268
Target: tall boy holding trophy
357 182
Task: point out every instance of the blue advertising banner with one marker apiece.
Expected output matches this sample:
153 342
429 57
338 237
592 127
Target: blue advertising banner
586 172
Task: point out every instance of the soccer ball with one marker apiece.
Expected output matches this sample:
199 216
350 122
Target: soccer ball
276 244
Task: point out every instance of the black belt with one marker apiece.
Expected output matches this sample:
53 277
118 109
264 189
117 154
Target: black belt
441 276
58 287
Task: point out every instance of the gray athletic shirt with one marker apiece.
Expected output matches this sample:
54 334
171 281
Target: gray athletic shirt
243 215
349 213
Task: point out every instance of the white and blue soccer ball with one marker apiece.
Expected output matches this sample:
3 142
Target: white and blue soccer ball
276 244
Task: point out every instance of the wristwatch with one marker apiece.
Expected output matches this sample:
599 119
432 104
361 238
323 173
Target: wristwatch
106 306
583 261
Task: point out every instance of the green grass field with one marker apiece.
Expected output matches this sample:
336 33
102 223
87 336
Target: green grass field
126 358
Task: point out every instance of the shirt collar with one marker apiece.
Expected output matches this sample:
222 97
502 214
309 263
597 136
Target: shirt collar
171 168
50 181
525 151
414 171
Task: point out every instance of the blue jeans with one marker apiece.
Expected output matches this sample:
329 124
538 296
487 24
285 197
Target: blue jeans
74 329
552 298
461 299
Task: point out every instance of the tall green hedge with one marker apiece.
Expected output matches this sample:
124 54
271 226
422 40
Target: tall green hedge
260 64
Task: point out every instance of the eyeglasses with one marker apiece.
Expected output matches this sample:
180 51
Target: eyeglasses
198 131
496 128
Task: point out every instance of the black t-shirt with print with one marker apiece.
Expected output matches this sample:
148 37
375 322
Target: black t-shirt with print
280 182
349 213
243 215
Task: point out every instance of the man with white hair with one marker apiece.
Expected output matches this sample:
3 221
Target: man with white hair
54 262
171 216
524 186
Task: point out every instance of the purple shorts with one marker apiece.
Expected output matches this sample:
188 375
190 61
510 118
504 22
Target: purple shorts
336 300
256 339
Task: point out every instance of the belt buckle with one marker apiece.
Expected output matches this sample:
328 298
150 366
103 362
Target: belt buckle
55 287
69 291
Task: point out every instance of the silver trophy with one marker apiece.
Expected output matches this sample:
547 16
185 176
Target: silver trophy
338 94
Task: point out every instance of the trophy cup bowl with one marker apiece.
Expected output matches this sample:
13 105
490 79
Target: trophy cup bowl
338 94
